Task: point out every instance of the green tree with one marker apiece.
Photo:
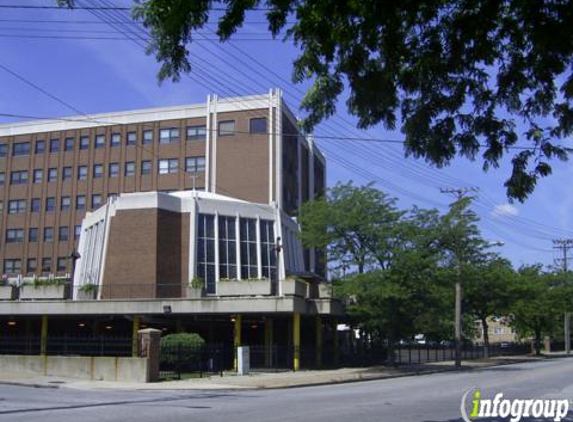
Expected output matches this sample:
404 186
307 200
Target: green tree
537 305
487 288
355 225
454 75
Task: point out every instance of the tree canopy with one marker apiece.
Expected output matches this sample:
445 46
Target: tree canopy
472 78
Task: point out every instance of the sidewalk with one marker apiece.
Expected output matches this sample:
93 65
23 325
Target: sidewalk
265 380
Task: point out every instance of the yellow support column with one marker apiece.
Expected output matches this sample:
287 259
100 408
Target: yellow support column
44 336
134 335
237 339
296 340
318 340
268 343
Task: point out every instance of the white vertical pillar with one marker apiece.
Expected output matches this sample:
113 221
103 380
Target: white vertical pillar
238 244
208 145
215 132
271 129
259 255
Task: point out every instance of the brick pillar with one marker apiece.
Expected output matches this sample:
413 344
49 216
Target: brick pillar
44 336
135 335
237 339
318 340
268 343
149 341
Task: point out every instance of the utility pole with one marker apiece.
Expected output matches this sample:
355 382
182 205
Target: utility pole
563 246
458 195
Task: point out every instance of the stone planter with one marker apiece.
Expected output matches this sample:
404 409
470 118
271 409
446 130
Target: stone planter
244 288
44 292
195 292
324 291
86 295
7 292
294 288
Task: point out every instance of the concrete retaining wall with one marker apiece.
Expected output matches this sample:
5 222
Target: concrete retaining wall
83 367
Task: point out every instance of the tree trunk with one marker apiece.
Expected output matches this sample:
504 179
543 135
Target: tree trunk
485 328
537 342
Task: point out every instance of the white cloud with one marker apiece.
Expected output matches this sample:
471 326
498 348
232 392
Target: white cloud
504 210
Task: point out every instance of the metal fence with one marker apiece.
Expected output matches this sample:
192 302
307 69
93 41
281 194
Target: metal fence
420 353
67 345
179 359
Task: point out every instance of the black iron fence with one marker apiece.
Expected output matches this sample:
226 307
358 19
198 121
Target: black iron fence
181 359
422 353
67 345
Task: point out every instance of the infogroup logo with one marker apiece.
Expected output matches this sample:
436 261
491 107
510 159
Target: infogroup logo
511 409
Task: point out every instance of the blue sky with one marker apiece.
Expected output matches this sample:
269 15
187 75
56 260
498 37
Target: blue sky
95 75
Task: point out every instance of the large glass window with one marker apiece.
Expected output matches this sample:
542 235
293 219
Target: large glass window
115 140
67 173
168 166
50 204
96 201
196 133
249 262
206 250
227 128
167 136
63 233
35 205
268 250
21 148
81 202
52 174
129 169
48 234
54 145
100 141
19 177
227 248
69 144
17 206
3 150
195 164
258 125
38 175
84 142
40 146
12 266
65 204
33 234
146 167
98 171
82 172
113 169
14 235
147 137
131 138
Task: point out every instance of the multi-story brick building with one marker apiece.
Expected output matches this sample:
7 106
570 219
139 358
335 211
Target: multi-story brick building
53 171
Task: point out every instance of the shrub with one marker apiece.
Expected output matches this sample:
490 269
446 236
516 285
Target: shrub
181 348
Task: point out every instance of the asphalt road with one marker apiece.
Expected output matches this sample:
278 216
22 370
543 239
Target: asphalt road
427 398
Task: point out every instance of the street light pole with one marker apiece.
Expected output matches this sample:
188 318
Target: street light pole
458 323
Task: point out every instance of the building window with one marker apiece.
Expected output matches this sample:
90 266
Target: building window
21 148
167 136
129 169
17 206
69 144
84 142
113 169
31 265
19 177
63 233
52 175
77 232
38 176
258 125
100 141
206 250
35 205
3 150
146 167
2 178
249 262
147 137
81 202
98 171
14 235
268 250
96 201
12 266
195 164
227 247
65 203
227 128
54 145
196 133
67 173
115 140
48 234
82 172
33 234
50 204
46 265
40 147
168 166
131 138
62 264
